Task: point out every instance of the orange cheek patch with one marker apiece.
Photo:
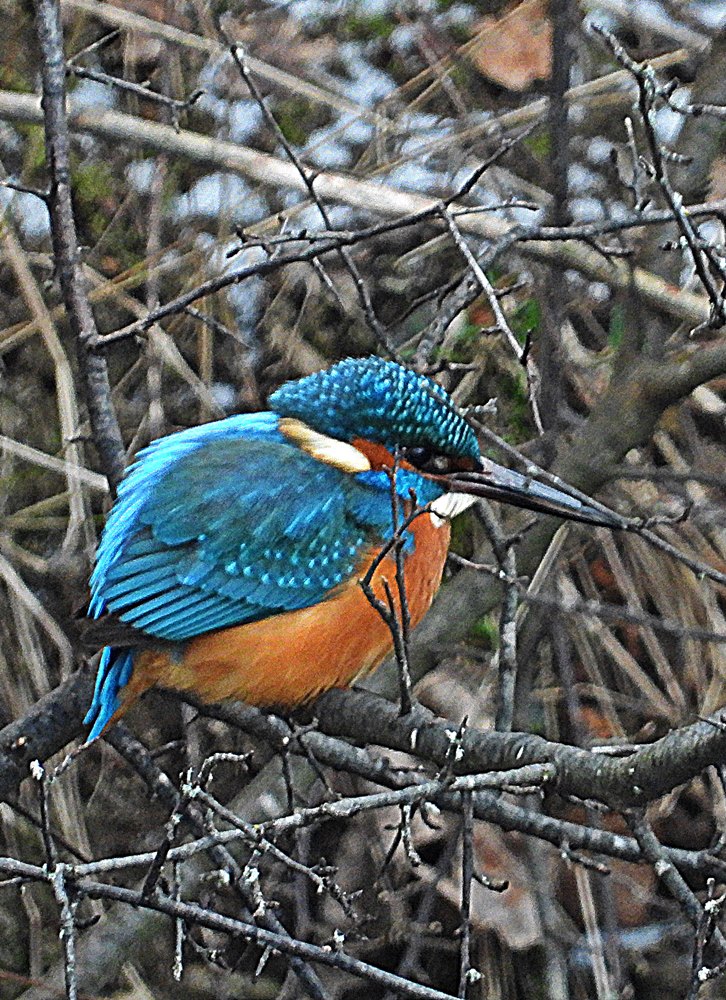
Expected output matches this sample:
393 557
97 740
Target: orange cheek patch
377 454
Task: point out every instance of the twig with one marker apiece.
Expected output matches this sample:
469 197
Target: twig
255 836
614 613
648 92
118 127
308 179
397 618
12 185
504 553
502 323
197 915
40 458
402 619
698 566
194 914
700 972
96 46
679 889
464 291
174 105
703 570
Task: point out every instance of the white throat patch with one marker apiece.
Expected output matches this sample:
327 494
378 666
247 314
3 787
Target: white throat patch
449 505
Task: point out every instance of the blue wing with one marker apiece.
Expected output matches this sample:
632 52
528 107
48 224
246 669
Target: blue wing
226 524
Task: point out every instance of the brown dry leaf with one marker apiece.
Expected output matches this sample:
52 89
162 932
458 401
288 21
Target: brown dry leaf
516 49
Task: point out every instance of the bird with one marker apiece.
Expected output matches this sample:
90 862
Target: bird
231 562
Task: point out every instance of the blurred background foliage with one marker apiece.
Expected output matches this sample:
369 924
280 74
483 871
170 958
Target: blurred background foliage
411 95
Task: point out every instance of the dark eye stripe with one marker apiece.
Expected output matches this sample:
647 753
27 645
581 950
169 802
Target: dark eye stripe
426 460
436 462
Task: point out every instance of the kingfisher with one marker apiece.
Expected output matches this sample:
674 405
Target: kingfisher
231 562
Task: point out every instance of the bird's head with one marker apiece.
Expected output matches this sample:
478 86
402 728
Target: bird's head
384 410
377 401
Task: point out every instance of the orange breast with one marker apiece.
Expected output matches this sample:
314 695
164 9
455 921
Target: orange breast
288 659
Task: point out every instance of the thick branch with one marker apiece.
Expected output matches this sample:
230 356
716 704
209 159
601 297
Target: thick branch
632 780
51 724
642 776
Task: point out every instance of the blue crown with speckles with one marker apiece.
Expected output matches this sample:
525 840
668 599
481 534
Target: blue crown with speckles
378 401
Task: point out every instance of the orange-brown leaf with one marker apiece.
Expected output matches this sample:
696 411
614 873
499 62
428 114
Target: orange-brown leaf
516 49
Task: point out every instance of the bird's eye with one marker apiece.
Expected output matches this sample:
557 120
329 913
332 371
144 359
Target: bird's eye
418 457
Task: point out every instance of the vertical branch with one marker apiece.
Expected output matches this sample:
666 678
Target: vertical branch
508 643
94 372
398 619
467 875
67 931
600 971
504 554
38 772
557 119
402 620
179 929
56 874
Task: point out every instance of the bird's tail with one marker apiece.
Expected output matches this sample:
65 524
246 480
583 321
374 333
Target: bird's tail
114 672
123 676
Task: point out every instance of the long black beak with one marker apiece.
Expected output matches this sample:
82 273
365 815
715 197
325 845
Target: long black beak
495 482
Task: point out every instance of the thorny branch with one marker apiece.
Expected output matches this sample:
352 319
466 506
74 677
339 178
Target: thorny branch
184 806
196 915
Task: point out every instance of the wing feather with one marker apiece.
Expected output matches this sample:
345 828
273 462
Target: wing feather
229 526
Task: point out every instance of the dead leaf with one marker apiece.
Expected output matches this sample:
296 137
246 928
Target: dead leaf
515 50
